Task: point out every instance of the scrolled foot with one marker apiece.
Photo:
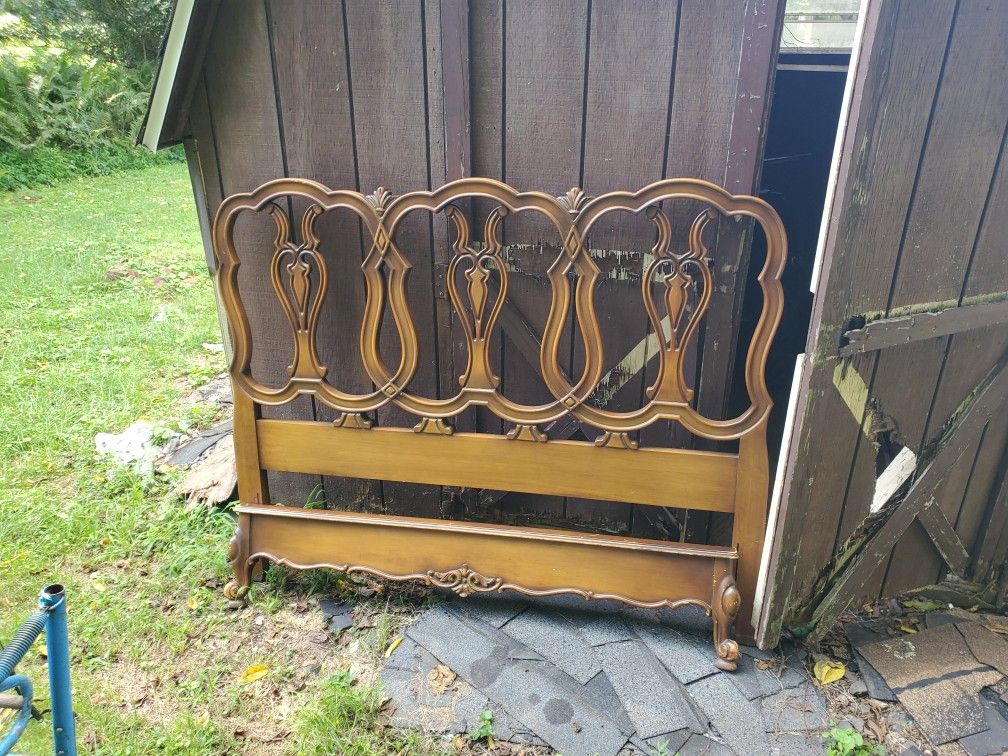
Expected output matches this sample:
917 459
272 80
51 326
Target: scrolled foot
235 592
725 604
237 553
728 654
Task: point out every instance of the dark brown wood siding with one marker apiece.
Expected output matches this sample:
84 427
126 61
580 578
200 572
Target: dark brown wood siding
919 205
603 94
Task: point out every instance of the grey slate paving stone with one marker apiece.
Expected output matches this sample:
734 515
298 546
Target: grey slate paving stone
802 709
554 637
873 681
604 697
669 743
416 706
455 711
755 683
756 653
993 741
738 720
539 696
686 655
406 656
937 680
791 744
988 647
651 696
599 629
331 607
877 686
493 610
700 745
506 727
193 449
340 622
937 619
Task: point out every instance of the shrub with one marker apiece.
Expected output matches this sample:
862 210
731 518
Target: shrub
64 114
53 98
45 166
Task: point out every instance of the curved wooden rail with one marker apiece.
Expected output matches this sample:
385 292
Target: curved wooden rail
386 267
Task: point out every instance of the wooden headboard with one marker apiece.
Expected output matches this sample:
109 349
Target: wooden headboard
675 294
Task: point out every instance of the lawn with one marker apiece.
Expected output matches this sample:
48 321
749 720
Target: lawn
106 310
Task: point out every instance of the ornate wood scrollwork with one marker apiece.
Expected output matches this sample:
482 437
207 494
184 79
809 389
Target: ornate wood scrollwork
291 272
684 281
680 275
478 319
466 581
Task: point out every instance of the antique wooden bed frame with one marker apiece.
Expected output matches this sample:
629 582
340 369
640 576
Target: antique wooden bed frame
468 557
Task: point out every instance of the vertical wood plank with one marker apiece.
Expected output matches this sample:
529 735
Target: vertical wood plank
957 169
239 84
966 501
389 75
544 53
628 38
313 82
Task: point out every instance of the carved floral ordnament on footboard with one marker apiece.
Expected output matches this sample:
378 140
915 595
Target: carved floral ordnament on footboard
683 278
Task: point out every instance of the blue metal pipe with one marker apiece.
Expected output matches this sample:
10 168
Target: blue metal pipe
24 688
52 600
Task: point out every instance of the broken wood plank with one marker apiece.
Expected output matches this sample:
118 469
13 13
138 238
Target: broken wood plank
944 538
996 527
958 436
888 332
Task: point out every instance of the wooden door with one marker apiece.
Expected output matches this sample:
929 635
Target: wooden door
894 478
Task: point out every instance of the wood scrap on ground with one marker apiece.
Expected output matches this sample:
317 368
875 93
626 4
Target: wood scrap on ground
212 480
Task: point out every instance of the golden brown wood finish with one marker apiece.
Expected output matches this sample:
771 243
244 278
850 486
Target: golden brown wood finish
472 558
663 477
613 466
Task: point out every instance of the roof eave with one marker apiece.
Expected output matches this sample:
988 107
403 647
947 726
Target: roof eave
150 135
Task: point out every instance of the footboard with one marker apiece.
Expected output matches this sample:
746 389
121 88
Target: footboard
613 465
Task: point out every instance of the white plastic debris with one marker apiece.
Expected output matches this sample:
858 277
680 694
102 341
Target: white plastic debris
134 446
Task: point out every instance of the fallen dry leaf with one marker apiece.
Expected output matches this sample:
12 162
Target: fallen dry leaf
921 605
827 671
393 646
253 673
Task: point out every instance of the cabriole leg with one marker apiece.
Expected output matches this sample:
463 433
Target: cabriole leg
238 556
724 607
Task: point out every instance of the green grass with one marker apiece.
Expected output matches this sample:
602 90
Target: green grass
157 657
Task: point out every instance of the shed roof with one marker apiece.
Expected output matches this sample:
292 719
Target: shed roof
183 48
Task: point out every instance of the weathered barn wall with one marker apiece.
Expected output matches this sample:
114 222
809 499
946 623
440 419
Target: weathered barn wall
918 224
604 94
